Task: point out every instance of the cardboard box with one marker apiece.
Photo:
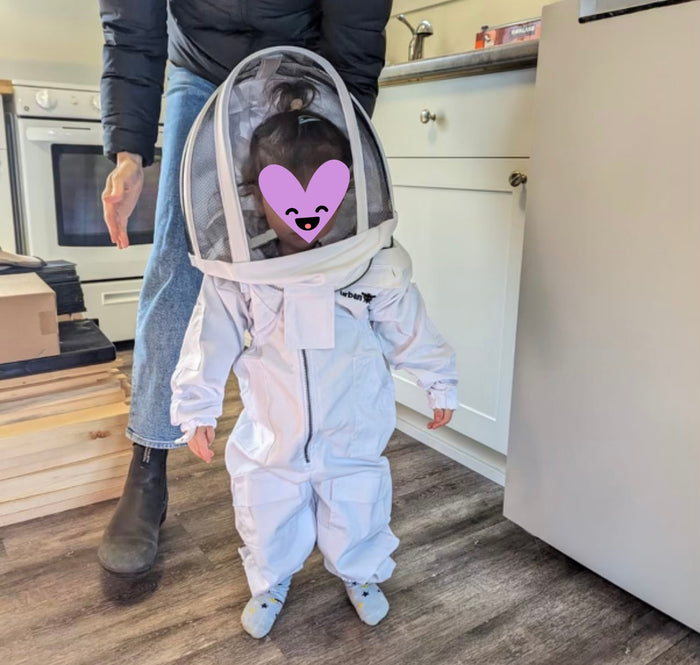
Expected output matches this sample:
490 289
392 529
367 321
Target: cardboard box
520 31
28 320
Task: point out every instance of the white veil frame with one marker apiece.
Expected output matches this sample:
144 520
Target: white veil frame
338 263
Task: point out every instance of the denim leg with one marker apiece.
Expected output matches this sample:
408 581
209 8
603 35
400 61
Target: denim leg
171 285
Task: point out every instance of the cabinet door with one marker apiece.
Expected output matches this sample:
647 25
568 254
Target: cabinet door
462 223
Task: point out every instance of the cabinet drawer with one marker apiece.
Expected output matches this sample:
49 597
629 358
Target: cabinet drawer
490 115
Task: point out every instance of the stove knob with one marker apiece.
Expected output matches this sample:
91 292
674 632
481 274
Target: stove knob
96 103
46 100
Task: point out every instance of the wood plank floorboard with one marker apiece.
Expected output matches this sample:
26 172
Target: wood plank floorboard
685 652
469 588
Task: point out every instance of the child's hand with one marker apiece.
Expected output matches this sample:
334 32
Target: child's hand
440 417
200 443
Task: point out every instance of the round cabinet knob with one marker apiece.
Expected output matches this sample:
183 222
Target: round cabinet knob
517 178
96 104
426 116
46 100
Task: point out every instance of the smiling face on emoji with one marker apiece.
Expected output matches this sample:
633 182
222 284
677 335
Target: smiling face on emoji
291 242
301 213
306 223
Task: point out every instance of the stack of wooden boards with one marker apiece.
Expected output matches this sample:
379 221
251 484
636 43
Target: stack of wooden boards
62 442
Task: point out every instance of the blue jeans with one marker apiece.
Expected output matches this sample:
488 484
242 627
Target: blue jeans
171 284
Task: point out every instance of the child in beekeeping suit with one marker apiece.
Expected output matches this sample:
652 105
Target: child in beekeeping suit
290 217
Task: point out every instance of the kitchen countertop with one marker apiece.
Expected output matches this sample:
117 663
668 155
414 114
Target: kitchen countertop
518 55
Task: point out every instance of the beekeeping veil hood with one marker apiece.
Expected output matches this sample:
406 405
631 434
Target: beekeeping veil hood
285 113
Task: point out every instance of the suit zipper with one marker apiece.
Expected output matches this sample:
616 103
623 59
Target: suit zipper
308 405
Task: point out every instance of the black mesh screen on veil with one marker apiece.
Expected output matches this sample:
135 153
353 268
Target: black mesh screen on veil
263 98
208 214
379 204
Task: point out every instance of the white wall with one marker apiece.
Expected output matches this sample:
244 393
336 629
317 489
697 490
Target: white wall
51 40
455 23
61 40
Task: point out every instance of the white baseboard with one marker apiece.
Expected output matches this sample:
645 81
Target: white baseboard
462 449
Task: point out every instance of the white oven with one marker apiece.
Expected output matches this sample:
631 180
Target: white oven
60 172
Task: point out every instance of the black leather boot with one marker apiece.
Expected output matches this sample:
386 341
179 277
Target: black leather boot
130 542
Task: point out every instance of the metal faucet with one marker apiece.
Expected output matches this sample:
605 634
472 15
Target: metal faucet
424 29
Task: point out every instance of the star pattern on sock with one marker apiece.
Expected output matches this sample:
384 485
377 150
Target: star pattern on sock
261 611
370 607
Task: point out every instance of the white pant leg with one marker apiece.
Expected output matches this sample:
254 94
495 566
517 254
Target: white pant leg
276 520
352 521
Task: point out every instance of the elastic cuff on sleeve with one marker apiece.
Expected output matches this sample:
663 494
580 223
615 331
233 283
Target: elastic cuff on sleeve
443 398
190 427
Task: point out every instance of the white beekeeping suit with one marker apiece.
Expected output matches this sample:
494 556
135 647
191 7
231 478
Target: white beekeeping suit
305 455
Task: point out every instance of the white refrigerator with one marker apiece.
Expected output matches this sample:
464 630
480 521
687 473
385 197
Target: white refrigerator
604 445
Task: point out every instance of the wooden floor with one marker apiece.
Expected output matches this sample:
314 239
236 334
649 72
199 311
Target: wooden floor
469 588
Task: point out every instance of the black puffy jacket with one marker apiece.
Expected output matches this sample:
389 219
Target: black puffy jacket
210 37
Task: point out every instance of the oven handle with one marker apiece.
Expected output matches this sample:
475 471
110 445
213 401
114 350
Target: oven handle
66 136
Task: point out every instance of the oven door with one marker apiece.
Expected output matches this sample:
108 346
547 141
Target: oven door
62 175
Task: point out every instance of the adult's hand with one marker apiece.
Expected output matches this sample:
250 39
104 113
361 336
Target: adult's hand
120 195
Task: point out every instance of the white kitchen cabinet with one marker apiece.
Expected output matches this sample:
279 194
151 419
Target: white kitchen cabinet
462 222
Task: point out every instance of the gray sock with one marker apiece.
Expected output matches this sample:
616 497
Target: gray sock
261 611
369 601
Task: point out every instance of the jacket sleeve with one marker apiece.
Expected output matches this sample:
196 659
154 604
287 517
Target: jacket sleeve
133 67
410 341
213 342
354 42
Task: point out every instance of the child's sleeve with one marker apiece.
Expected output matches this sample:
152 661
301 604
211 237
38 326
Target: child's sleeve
212 344
410 341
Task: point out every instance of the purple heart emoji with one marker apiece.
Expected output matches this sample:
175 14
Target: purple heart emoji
305 211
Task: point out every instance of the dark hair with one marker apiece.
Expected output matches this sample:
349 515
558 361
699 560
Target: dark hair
295 138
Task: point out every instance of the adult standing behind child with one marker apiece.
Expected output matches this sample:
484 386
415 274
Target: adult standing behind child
203 40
